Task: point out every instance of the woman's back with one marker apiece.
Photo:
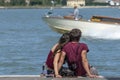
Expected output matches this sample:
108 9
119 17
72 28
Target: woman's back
50 57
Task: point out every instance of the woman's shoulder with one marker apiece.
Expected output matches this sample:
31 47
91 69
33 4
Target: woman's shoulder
53 48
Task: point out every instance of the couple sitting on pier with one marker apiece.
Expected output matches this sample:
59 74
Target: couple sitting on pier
69 50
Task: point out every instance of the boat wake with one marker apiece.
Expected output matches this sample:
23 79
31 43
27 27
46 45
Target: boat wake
110 33
98 27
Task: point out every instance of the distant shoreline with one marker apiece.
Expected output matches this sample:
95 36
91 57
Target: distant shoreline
90 7
37 7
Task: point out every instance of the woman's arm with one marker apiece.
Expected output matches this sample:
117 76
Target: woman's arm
61 61
55 63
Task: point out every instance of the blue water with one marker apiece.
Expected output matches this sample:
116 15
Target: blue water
25 40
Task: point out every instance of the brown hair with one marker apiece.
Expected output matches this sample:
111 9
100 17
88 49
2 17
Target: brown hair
75 34
65 38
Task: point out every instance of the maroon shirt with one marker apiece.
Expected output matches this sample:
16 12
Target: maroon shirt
49 61
71 49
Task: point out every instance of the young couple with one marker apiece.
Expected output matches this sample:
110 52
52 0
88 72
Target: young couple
70 50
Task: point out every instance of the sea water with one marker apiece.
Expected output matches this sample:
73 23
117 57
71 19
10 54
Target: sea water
25 41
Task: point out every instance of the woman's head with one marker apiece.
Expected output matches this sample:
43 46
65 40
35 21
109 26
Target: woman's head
75 34
65 38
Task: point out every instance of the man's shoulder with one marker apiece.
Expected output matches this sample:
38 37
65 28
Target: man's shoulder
83 44
67 45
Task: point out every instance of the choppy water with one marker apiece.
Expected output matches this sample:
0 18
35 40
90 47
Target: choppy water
25 40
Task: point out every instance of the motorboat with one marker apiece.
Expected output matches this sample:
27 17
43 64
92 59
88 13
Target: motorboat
96 25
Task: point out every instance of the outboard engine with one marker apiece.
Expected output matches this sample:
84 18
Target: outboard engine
49 13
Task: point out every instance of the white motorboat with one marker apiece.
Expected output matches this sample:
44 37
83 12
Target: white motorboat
99 24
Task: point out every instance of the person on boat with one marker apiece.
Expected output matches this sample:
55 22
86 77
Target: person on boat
76 13
76 55
54 55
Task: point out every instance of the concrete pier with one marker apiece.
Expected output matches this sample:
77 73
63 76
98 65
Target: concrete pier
38 77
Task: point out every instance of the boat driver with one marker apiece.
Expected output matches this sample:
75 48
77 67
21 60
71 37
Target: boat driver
76 13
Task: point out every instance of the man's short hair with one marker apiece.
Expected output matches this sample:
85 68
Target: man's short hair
75 34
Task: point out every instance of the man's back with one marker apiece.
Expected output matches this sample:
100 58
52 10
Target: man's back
73 52
74 49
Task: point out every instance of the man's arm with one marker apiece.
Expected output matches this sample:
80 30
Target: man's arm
85 64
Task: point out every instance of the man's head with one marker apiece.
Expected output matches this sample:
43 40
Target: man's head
75 7
75 34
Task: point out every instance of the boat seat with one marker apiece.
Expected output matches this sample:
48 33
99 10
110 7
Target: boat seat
69 17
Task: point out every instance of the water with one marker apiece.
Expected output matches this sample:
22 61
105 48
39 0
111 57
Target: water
25 40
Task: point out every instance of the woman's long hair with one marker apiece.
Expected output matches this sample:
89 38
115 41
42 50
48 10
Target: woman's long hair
64 39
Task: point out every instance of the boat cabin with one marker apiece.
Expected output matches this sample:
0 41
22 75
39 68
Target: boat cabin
105 19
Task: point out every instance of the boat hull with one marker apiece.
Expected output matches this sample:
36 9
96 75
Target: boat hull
88 28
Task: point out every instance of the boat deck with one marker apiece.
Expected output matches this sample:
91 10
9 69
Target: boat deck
37 77
105 19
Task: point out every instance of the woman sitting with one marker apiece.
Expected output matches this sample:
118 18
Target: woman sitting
55 54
